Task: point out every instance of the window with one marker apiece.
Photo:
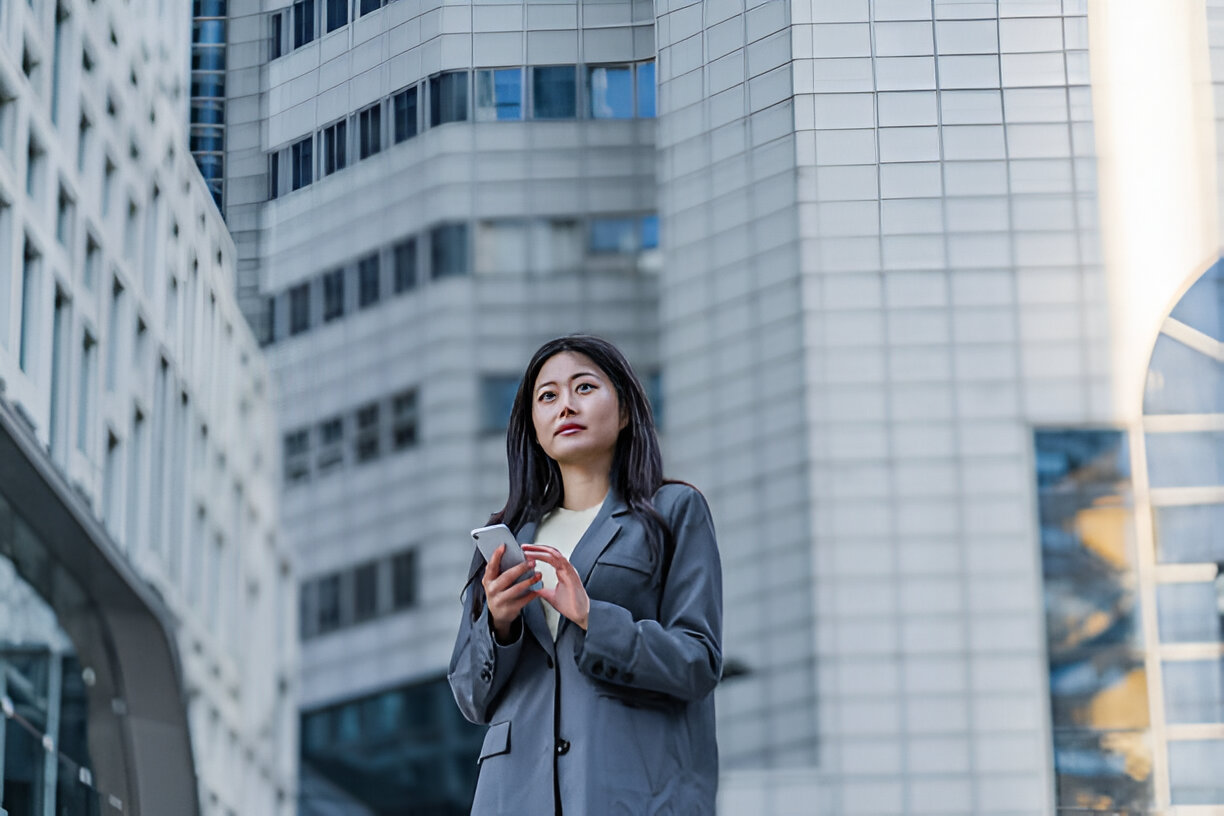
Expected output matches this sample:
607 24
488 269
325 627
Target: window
274 175
303 22
404 580
610 90
84 131
499 94
108 185
554 92
327 599
405 257
337 14
270 315
613 235
114 319
501 247
448 98
448 251
404 419
335 147
646 89
368 6
333 295
650 232
93 262
557 245
497 393
654 394
297 453
331 447
367 281
85 400
299 308
30 283
366 443
365 592
1092 606
369 132
302 162
276 37
65 218
34 169
404 111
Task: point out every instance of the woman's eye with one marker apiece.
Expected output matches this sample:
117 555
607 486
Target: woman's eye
584 387
546 396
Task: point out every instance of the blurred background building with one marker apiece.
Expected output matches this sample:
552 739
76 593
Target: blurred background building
893 270
147 609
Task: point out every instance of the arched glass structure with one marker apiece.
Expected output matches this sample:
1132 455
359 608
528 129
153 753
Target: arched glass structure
1182 538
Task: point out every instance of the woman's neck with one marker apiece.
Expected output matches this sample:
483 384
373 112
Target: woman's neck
583 488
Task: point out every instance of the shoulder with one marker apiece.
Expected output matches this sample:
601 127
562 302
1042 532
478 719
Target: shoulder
680 501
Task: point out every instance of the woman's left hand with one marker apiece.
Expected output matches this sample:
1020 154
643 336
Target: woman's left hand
569 596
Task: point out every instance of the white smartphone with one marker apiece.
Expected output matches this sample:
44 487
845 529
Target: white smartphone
488 539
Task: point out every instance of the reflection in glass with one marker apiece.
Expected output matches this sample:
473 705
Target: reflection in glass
208 59
1098 684
646 90
499 95
408 744
208 32
611 92
448 100
613 235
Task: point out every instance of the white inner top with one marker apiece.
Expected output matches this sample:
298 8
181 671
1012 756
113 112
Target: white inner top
561 529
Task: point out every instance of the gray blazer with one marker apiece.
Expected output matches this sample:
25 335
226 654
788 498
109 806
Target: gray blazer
617 720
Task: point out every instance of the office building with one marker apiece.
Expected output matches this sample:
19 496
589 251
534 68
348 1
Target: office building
148 607
895 270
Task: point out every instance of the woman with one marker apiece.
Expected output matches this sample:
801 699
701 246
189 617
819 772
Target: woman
597 687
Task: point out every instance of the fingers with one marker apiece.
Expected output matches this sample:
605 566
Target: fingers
493 569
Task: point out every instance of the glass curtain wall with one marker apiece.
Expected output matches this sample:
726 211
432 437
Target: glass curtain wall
208 93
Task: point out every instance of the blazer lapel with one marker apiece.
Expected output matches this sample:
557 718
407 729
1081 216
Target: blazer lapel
595 540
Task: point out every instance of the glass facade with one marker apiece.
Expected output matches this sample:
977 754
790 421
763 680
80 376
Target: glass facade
1183 414
1137 691
1098 685
207 138
404 750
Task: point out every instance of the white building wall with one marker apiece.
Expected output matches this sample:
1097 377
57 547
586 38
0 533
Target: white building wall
947 294
122 344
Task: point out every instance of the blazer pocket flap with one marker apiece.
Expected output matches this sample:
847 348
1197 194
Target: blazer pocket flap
496 741
625 557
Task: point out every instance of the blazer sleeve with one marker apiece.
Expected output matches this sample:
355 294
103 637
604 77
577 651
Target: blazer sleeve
479 665
680 654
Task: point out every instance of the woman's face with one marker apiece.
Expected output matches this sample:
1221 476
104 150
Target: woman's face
575 410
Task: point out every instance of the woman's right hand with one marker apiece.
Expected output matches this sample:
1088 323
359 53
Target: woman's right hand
505 597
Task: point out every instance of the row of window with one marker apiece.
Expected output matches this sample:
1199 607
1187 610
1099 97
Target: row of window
548 92
358 594
493 247
359 436
299 24
207 138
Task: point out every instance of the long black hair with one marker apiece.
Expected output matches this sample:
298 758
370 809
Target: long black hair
637 463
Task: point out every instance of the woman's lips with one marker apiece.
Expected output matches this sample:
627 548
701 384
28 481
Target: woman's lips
567 430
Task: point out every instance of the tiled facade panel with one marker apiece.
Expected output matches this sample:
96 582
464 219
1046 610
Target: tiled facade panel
952 297
733 356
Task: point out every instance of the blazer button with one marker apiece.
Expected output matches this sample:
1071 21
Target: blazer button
597 667
563 747
485 675
610 673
